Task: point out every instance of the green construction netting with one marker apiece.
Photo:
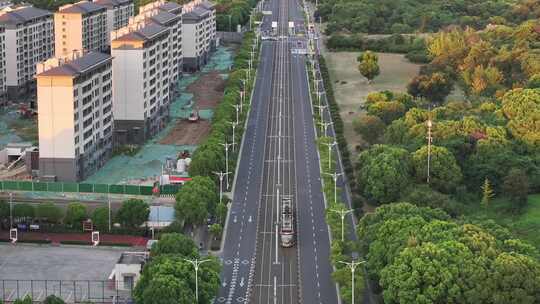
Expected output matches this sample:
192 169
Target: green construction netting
145 167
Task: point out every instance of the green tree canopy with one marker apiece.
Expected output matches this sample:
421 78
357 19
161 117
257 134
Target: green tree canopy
75 214
196 199
100 218
175 244
133 213
23 210
369 127
445 174
49 212
383 172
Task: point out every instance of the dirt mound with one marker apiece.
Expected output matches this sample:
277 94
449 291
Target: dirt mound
187 133
207 90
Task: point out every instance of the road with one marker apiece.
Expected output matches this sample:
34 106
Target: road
278 160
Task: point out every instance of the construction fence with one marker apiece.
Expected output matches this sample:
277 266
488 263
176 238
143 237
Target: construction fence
86 188
72 291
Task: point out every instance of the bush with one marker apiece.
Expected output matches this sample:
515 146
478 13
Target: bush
52 299
75 215
133 213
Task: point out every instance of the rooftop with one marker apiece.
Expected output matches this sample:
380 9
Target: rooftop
131 258
207 4
196 13
147 32
81 7
78 65
22 15
113 3
163 17
170 6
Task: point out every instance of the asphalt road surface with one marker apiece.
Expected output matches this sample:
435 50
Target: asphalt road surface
278 161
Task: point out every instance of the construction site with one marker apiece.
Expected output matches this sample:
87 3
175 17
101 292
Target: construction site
168 153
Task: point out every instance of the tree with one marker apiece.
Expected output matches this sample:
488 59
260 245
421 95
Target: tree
133 213
522 108
516 187
52 299
24 211
387 111
100 218
369 127
26 300
515 279
216 230
75 214
369 66
383 172
176 244
445 174
434 87
221 212
171 279
434 273
49 212
487 193
4 209
196 199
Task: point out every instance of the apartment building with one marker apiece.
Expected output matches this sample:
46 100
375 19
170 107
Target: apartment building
74 96
199 32
118 14
28 35
167 14
80 26
141 77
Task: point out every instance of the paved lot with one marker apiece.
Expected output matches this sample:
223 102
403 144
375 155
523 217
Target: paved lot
73 273
25 262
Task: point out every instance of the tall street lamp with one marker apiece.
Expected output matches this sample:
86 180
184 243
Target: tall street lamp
237 107
430 140
324 126
233 124
330 146
335 177
196 264
342 213
226 146
221 175
352 266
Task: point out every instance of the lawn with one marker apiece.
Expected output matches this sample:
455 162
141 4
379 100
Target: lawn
525 225
351 88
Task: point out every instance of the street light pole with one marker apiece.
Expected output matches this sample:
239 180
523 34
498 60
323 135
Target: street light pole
237 107
221 175
196 264
335 177
321 110
330 145
342 213
233 124
325 125
226 145
429 139
352 266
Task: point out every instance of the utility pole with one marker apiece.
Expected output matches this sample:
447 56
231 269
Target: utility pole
429 140
352 266
226 145
330 145
335 177
342 213
196 264
221 175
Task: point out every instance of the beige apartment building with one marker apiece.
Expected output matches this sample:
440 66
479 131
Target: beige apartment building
141 78
74 96
199 34
26 39
167 14
118 14
80 26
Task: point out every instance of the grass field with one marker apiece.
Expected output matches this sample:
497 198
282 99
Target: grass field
351 88
525 225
